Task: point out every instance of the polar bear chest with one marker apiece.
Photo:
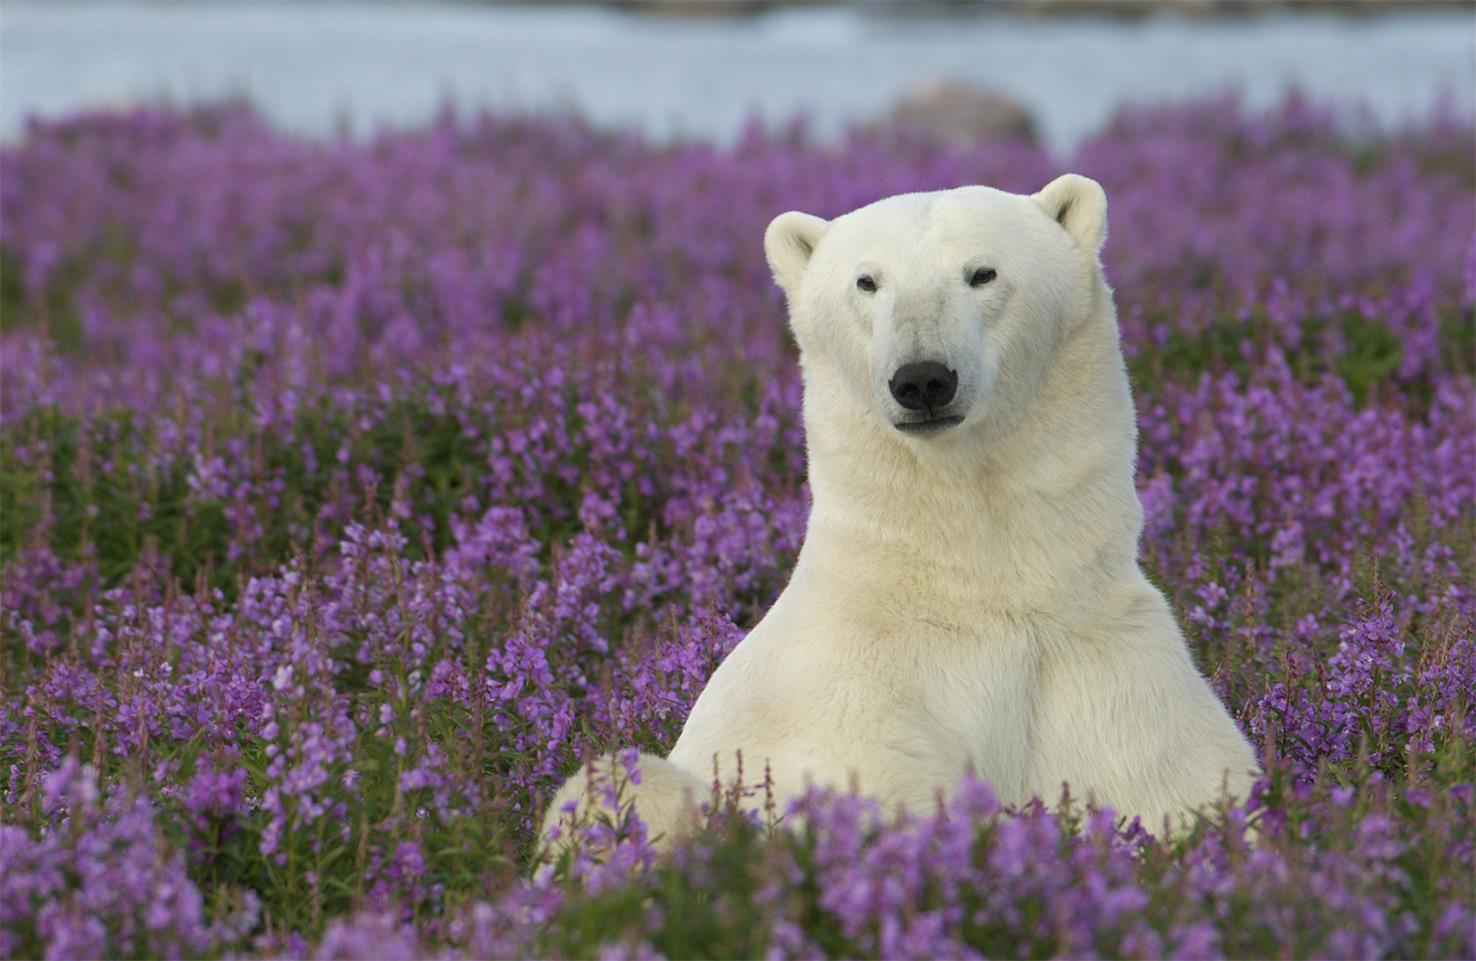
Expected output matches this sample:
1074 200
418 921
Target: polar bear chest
899 709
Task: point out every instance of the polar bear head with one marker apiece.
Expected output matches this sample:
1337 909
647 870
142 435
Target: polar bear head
935 316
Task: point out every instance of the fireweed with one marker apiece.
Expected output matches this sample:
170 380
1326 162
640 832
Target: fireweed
356 491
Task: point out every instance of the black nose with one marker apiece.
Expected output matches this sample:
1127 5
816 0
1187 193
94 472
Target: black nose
926 385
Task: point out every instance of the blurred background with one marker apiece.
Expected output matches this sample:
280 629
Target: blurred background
1049 70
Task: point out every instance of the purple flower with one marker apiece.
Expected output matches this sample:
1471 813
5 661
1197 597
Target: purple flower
357 491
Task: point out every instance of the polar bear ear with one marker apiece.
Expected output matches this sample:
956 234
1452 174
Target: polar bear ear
1078 204
789 242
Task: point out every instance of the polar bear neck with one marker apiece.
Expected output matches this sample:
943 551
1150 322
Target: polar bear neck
1042 514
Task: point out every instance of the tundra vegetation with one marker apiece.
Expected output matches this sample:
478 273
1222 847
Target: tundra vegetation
355 492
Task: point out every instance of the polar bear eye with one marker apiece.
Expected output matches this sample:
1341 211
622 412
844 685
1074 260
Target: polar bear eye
867 283
982 276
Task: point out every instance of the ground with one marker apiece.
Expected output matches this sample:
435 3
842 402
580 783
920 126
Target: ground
353 492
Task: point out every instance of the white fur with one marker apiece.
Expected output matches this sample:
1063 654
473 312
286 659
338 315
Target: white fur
969 599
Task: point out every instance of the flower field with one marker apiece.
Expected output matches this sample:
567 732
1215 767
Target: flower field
355 492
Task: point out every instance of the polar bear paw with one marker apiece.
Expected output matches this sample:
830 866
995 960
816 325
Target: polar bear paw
609 790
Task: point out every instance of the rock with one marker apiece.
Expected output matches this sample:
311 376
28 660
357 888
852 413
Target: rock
958 115
695 8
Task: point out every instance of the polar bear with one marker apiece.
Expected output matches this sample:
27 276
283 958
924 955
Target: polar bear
968 596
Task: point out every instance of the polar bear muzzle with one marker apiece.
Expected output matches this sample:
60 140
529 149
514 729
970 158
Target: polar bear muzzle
926 387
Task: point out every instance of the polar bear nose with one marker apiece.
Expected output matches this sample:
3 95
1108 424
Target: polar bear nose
926 384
